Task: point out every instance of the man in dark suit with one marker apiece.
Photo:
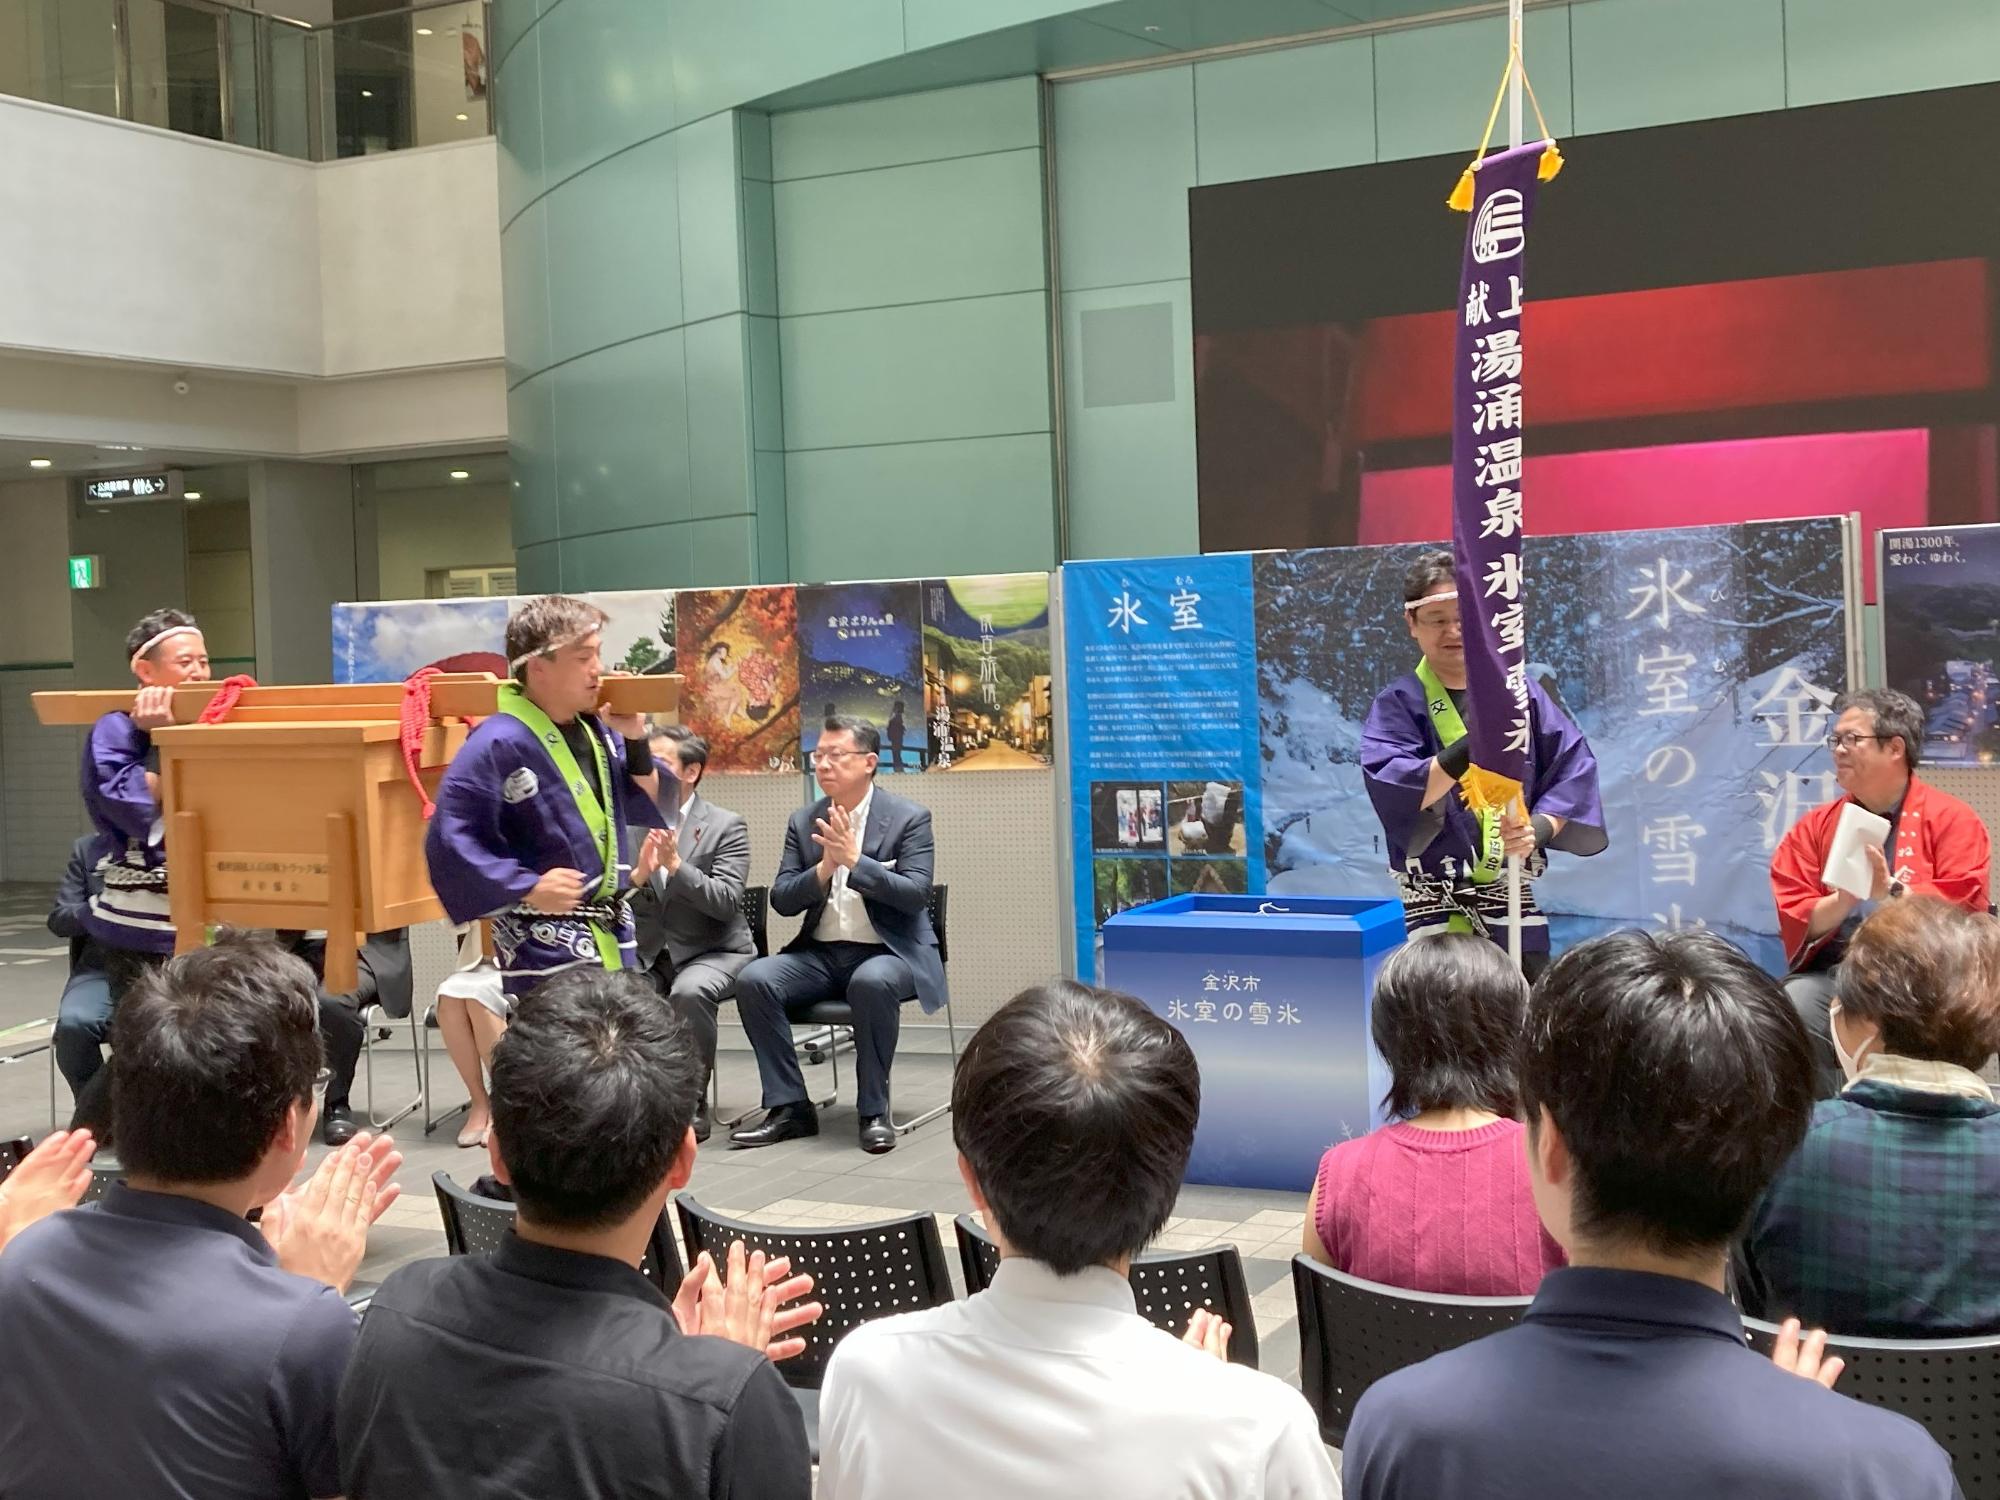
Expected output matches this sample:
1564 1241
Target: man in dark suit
687 899
385 976
858 865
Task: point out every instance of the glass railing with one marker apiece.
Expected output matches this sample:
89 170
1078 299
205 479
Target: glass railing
386 80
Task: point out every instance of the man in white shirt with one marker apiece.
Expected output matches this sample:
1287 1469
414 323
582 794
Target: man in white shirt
857 865
1074 1111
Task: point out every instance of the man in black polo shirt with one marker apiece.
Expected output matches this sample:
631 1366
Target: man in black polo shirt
156 1343
553 1367
1664 1080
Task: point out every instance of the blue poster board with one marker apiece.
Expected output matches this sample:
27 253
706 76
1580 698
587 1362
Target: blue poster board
1272 993
1160 667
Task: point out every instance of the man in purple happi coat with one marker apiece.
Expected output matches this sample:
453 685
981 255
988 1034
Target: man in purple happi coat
1448 861
532 813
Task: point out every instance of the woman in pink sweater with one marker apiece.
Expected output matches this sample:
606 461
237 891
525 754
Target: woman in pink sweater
1439 1199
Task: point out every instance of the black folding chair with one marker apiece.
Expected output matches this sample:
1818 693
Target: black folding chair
755 903
860 1272
1951 1386
103 1173
1353 1332
13 1153
475 1225
756 906
1168 1285
836 1016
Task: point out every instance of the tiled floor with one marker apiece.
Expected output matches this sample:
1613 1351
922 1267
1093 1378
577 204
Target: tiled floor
826 1180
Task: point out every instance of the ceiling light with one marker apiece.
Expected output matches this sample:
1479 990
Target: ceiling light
41 463
368 93
461 473
192 495
423 31
465 117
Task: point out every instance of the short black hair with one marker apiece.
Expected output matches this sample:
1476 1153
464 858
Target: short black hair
1446 1017
594 1085
212 1048
1681 1080
1426 573
689 746
1896 717
545 624
867 738
152 624
1076 1109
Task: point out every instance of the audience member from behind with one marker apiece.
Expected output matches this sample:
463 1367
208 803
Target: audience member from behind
1664 1080
1438 1200
1074 1111
158 1343
1886 1223
553 1367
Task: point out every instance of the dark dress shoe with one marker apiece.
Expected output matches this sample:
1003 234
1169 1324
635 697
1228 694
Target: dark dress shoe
703 1126
339 1127
877 1134
788 1122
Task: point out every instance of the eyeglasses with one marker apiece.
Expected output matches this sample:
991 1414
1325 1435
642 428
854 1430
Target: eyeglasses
832 757
1436 622
1847 739
320 1080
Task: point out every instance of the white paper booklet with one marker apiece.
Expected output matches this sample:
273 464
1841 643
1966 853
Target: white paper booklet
1858 831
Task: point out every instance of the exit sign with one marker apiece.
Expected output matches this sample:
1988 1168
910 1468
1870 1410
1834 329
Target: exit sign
86 572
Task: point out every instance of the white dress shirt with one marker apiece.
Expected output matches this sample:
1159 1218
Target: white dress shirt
845 919
1047 1386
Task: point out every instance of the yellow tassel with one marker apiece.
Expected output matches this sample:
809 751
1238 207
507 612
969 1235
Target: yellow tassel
1488 791
1552 163
1461 196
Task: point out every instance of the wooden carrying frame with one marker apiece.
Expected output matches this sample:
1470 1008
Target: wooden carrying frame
297 811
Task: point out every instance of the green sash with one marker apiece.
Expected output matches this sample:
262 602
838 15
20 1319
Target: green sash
1450 728
603 828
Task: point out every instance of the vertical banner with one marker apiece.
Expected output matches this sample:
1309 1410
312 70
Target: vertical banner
988 682
739 657
860 654
1940 592
1160 671
1486 513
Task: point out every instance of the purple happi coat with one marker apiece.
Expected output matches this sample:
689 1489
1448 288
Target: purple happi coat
504 818
130 911
1434 850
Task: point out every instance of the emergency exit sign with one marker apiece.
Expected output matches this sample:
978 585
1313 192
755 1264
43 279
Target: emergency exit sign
86 572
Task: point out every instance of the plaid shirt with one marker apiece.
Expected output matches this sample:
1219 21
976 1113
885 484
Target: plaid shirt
1886 1222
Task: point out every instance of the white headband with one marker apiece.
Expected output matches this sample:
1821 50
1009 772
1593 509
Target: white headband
1416 604
140 655
551 648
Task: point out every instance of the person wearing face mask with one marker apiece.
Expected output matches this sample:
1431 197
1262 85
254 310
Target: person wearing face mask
1448 861
1885 1223
1936 846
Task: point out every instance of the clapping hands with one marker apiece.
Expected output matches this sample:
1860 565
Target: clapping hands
320 1227
839 844
54 1176
750 1308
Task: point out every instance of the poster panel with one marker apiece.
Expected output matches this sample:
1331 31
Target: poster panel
1940 592
1160 673
860 655
988 680
739 658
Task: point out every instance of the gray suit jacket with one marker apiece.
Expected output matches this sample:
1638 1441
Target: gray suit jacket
893 878
698 913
